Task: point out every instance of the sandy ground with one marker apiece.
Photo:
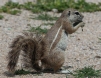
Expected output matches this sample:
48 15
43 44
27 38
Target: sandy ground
82 46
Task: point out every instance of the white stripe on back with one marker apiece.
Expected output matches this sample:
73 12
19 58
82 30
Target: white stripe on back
55 36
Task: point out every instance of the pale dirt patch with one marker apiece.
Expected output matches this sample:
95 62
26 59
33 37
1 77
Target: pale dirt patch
82 46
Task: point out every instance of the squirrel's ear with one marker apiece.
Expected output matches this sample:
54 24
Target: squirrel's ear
68 13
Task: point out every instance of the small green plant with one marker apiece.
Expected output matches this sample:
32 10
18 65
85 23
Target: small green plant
38 30
14 12
88 72
1 10
11 4
5 9
20 6
1 17
28 6
45 17
36 10
25 72
22 72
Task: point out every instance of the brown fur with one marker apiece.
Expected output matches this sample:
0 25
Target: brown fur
34 50
56 56
39 48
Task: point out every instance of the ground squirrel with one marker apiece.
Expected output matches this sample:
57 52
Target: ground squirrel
48 49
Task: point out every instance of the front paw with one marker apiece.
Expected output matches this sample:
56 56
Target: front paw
82 24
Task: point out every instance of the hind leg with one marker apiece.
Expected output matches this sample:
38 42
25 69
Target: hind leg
54 60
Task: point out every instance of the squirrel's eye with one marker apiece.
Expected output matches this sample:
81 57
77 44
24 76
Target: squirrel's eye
77 13
68 13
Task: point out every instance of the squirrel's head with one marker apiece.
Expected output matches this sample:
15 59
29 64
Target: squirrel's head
73 16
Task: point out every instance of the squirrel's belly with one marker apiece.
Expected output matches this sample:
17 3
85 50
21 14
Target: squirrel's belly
62 44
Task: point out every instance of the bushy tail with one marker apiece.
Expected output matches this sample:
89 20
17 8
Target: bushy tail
25 43
13 55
